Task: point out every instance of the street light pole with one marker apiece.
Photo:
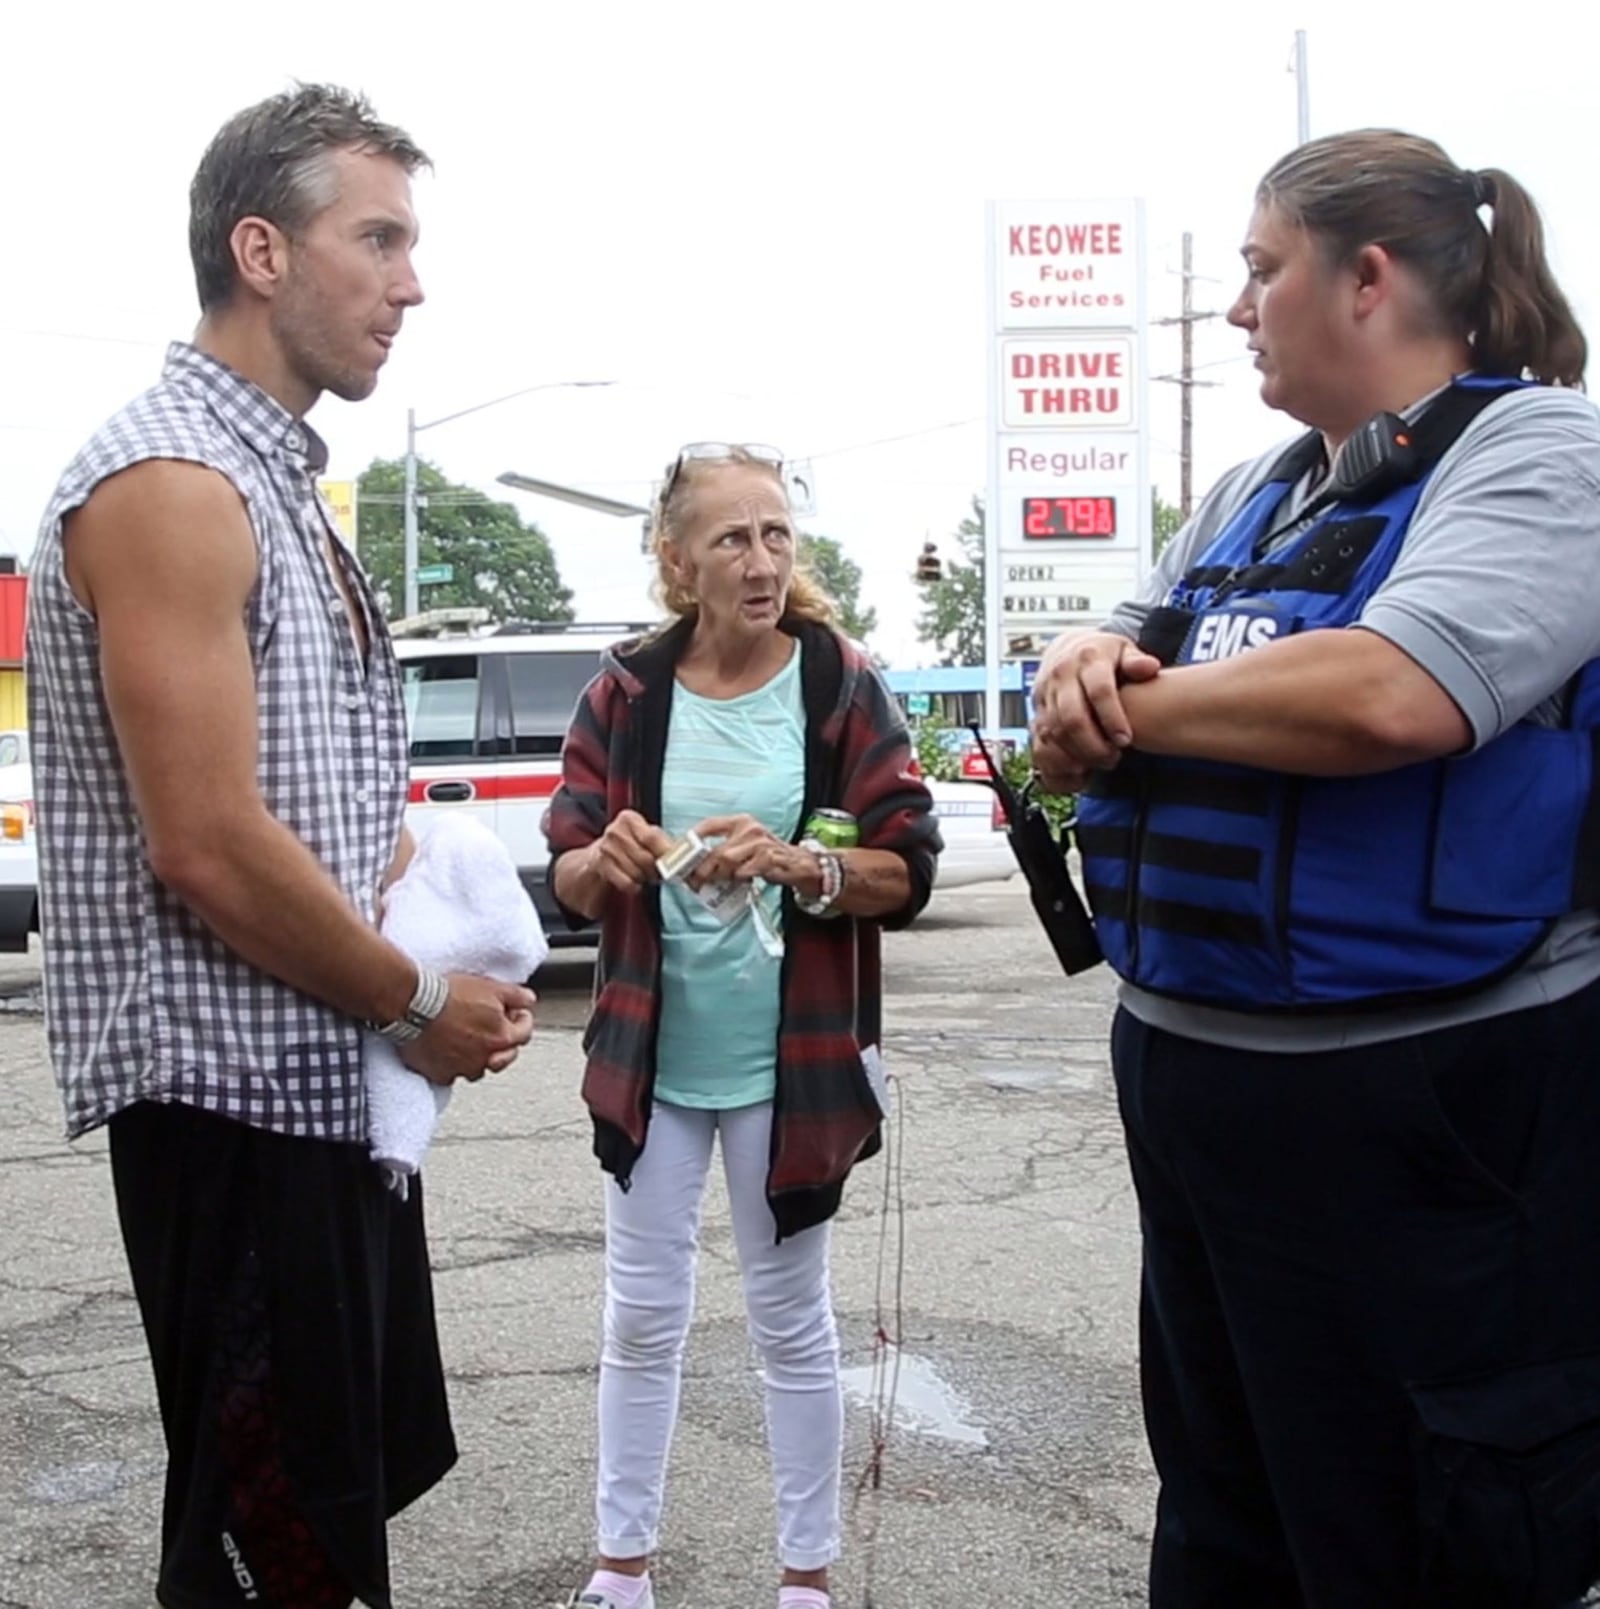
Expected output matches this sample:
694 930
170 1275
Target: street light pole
411 512
413 429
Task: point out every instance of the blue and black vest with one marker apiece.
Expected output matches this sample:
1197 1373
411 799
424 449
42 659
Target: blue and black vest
1255 890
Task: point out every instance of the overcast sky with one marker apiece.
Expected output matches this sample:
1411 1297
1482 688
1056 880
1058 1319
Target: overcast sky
765 220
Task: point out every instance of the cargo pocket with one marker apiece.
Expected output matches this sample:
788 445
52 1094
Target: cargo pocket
1509 1486
1480 867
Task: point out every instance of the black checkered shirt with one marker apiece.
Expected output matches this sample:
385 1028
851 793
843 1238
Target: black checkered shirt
142 1002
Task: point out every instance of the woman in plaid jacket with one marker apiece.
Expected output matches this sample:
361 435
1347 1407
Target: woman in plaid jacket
751 1014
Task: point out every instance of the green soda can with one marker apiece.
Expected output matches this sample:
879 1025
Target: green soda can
833 829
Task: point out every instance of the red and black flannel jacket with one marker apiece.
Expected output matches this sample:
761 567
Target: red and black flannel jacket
858 758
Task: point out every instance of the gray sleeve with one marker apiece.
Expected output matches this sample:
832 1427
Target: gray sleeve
1496 592
1197 533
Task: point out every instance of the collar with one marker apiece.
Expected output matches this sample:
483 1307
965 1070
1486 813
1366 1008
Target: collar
259 418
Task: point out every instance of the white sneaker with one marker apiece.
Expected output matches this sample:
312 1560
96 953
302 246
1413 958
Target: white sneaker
604 1600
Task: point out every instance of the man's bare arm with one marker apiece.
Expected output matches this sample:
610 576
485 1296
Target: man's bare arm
164 558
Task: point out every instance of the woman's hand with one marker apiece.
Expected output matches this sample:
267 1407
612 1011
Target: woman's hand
625 854
1079 724
748 851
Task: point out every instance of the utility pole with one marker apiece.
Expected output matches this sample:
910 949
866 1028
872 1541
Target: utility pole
1184 379
413 430
1302 88
410 570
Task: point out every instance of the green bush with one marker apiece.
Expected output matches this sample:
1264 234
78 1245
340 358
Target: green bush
940 758
940 761
1058 807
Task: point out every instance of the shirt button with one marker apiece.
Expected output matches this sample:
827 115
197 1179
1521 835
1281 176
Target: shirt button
294 441
362 795
353 701
335 606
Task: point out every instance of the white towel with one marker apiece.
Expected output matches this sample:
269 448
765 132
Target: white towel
460 907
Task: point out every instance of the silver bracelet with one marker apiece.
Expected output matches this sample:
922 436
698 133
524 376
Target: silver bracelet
433 990
428 999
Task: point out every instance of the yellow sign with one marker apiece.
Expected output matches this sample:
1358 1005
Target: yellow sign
341 496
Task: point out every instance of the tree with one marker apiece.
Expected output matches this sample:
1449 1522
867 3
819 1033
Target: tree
952 616
1169 521
501 563
840 578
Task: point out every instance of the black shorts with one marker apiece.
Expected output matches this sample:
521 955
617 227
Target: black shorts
288 1304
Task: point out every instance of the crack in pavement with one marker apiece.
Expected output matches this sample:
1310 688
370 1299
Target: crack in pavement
568 1125
55 1159
522 1247
565 1371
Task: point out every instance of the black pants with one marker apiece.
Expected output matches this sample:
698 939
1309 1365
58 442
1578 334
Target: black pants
288 1304
1370 1323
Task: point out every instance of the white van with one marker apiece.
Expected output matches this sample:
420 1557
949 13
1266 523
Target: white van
487 714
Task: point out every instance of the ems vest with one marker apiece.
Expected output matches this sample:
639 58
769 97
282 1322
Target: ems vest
1256 890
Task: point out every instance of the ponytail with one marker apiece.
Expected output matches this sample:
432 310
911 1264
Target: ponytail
1490 284
1523 322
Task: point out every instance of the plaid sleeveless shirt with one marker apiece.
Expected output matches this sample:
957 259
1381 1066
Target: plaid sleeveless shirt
142 1001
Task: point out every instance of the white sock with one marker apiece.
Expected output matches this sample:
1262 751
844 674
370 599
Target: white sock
803 1598
627 1590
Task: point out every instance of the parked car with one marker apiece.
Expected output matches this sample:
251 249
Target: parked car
19 858
487 714
976 849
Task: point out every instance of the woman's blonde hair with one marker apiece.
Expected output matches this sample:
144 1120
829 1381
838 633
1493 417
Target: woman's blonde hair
806 598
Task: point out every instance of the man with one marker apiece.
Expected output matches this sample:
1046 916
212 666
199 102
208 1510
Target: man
221 778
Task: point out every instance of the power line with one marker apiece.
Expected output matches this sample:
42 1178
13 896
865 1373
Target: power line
887 441
429 499
77 335
1223 363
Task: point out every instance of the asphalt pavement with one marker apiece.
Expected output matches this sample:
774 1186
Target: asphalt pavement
1014 1470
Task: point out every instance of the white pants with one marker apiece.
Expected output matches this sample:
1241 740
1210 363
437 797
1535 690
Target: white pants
652 1238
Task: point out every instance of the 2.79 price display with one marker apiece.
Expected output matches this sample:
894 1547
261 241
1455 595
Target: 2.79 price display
1046 517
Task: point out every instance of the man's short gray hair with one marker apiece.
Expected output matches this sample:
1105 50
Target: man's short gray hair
274 160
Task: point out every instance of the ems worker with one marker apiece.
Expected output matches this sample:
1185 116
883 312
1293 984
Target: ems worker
1342 843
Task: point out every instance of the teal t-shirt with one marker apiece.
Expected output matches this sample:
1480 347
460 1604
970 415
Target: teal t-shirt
718 1044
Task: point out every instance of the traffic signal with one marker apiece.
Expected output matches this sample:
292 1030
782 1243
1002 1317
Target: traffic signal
928 566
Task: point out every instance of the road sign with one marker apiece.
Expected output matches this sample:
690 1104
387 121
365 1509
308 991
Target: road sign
919 703
432 575
802 488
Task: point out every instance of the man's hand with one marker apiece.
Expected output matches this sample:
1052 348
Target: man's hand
1079 725
625 854
482 1027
